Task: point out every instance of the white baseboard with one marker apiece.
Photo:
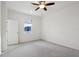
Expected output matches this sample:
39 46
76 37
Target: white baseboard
59 44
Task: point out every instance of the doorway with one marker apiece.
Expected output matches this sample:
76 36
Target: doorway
12 32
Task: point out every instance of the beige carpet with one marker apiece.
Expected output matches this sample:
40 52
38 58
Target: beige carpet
40 49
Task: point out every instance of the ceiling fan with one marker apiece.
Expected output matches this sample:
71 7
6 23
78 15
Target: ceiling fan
43 5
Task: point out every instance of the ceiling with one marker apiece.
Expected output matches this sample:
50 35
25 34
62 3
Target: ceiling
28 8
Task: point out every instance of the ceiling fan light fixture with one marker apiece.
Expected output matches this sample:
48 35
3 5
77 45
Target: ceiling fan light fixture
41 6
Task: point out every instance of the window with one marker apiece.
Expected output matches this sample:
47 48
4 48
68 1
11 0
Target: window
27 25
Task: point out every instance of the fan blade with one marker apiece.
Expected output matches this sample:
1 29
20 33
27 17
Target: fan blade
45 8
40 2
35 4
48 4
37 8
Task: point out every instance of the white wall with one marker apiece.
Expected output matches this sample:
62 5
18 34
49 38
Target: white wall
3 26
0 27
63 27
36 23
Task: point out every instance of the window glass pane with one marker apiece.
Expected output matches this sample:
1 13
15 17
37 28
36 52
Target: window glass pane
27 25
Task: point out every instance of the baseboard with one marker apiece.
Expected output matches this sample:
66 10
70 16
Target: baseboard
3 52
30 41
13 44
60 45
24 42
